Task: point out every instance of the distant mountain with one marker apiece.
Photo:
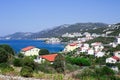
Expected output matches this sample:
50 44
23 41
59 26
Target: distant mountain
18 35
59 30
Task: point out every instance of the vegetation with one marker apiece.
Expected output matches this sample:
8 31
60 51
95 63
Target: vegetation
26 71
20 55
3 55
59 63
78 61
17 62
43 52
8 49
104 40
102 73
5 68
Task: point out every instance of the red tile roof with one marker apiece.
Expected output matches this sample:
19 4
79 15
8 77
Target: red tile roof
28 48
115 57
73 44
50 57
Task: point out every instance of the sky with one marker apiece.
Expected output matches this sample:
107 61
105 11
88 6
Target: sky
37 15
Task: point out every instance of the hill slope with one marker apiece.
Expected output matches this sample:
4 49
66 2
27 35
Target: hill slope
59 30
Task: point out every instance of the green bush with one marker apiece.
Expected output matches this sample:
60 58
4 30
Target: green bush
3 55
17 62
46 68
27 61
20 55
43 52
5 68
59 63
107 71
71 67
26 71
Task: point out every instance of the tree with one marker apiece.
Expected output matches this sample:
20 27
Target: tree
43 52
17 62
26 71
20 55
8 49
59 63
27 61
107 71
3 55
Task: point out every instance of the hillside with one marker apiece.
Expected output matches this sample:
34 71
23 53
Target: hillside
59 30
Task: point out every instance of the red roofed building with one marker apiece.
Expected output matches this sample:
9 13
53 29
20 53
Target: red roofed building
50 57
30 51
116 58
28 48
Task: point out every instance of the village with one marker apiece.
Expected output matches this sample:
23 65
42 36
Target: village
78 56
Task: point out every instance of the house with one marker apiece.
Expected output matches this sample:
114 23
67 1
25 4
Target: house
90 51
117 54
30 51
118 40
50 58
97 46
99 54
70 47
111 60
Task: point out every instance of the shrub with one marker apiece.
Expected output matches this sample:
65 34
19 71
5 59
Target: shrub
26 71
20 55
8 49
5 68
107 71
71 67
46 67
43 52
59 63
27 61
17 62
3 55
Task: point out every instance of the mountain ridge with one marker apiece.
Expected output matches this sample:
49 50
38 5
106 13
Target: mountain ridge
57 31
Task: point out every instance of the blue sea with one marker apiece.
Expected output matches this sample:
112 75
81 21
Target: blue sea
17 45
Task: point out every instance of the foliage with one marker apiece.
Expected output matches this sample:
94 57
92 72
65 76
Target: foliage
100 60
71 67
59 63
43 52
20 55
46 67
103 73
85 73
78 61
104 40
27 61
111 49
8 49
5 68
17 62
26 71
3 55
107 71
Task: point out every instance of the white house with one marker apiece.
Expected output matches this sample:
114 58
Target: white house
90 51
111 60
70 47
118 40
30 51
99 54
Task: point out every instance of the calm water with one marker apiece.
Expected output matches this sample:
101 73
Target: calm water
17 45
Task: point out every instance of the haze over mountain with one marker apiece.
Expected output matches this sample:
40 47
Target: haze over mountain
57 31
